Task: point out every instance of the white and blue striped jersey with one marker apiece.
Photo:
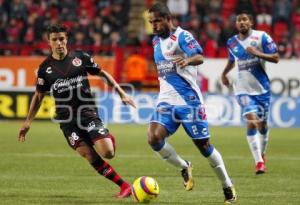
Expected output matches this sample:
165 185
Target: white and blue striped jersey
252 78
178 86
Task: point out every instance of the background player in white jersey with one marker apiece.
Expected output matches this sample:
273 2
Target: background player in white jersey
250 49
177 56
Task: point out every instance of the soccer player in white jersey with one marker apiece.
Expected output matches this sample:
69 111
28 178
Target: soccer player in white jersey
250 49
177 56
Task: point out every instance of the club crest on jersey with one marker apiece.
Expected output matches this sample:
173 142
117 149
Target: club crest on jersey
253 43
76 62
170 44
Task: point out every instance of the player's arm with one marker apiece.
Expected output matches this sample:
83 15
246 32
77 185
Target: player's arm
194 60
229 66
269 49
192 50
34 107
111 81
272 57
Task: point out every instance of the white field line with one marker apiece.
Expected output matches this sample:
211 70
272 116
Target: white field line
138 156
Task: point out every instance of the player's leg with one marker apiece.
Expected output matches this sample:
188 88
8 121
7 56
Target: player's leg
197 129
162 125
263 115
156 139
103 168
216 162
104 144
263 132
92 127
80 141
250 110
254 142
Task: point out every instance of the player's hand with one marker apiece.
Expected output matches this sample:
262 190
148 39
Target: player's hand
225 80
181 62
127 100
252 51
23 131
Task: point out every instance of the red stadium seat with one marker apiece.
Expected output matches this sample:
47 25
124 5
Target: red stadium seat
279 29
264 27
222 52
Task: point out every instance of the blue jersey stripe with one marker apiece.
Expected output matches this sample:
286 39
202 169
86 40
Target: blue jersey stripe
262 77
183 88
158 55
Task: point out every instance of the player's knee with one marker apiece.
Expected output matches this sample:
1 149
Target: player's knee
263 127
155 141
109 154
154 138
251 125
204 147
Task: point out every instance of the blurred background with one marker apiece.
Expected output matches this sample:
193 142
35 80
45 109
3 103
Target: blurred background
118 35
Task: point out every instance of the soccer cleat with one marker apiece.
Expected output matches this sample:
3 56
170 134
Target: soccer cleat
125 191
260 168
230 195
188 180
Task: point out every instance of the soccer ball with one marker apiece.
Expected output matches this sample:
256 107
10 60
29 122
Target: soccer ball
145 189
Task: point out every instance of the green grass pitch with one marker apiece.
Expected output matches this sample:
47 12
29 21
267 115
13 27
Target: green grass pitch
44 170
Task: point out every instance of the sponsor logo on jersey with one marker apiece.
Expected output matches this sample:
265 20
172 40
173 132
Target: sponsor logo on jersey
102 131
76 62
272 46
249 63
233 44
192 45
91 126
165 68
62 85
235 49
40 81
49 70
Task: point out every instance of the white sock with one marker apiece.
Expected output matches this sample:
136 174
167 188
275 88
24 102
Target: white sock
169 154
216 162
254 144
264 139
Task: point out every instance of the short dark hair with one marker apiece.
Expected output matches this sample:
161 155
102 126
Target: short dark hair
250 15
161 9
57 28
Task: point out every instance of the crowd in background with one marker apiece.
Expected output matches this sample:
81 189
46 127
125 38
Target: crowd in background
102 24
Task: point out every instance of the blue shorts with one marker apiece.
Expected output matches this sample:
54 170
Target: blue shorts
192 118
258 104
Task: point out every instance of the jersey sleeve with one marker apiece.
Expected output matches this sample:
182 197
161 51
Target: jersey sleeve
268 45
189 44
41 83
90 66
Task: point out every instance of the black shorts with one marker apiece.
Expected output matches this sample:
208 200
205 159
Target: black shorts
88 128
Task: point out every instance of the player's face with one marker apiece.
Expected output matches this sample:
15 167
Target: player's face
159 24
58 43
243 23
